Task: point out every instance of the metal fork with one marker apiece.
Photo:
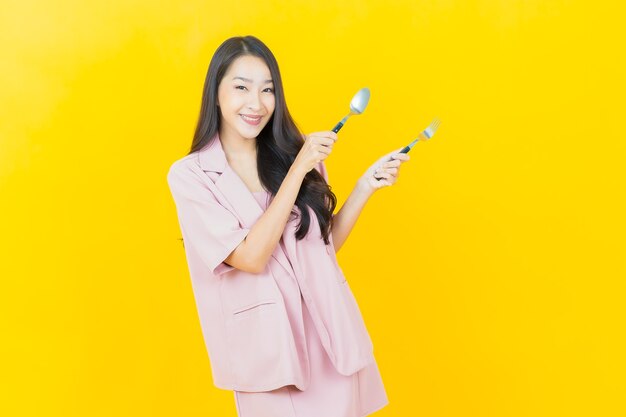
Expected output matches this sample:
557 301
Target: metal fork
425 135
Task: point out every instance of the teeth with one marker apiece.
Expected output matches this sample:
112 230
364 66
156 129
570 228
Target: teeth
256 119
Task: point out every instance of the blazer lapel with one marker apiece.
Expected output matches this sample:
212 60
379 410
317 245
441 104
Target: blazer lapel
242 203
213 159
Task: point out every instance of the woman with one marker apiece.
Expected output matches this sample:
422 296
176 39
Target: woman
280 323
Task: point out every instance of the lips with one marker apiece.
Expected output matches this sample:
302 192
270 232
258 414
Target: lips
251 119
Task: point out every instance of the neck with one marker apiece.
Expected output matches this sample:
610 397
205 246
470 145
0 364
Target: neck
236 146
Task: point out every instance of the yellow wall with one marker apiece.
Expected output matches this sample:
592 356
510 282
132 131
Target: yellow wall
491 276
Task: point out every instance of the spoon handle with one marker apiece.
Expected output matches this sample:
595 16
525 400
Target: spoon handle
341 123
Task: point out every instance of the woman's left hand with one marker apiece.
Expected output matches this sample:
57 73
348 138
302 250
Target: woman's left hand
387 168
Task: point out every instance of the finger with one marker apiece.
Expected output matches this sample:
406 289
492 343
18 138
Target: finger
383 174
326 145
324 141
392 155
394 172
401 156
325 150
326 134
395 152
391 164
329 134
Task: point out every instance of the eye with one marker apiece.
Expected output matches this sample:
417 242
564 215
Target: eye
271 90
238 86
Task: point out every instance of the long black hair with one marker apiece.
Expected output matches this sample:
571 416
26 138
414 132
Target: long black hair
278 143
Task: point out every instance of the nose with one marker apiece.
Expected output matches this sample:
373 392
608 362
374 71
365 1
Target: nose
254 102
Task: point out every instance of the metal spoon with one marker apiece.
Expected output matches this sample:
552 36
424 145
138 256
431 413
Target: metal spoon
357 106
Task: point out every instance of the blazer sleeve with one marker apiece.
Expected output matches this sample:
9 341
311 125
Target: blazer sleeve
210 231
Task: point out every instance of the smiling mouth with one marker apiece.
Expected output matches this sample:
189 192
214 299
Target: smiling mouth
251 120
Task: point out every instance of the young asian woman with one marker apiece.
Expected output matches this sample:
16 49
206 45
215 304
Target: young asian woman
280 323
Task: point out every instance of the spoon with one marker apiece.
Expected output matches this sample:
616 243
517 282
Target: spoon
357 106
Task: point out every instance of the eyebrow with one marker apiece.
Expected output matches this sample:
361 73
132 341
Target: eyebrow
249 80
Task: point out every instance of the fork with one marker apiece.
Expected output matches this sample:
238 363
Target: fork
425 135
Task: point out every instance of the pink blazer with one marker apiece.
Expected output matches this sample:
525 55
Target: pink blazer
251 342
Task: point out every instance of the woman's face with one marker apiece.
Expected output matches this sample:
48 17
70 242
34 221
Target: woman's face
245 98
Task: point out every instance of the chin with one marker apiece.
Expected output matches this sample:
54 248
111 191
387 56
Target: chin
249 135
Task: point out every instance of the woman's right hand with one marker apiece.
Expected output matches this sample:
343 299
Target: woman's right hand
317 146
